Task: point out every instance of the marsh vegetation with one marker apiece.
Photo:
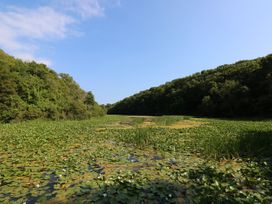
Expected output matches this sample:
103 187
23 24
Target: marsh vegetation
124 159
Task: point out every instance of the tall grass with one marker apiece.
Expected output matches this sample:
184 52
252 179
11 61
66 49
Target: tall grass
162 139
223 138
167 120
137 121
140 137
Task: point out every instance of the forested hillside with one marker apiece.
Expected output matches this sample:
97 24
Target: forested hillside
240 89
30 91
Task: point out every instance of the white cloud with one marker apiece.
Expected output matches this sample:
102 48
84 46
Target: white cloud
28 57
19 27
37 23
84 8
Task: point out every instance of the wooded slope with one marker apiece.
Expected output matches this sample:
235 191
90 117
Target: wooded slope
240 89
30 91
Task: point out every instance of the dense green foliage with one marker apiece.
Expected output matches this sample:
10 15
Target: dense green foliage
117 159
31 91
240 89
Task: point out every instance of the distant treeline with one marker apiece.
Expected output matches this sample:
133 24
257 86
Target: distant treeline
31 91
236 90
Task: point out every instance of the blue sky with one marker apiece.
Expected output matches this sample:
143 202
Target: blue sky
116 48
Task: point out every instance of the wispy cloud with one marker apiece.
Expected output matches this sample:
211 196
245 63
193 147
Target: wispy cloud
37 23
22 29
84 8
19 26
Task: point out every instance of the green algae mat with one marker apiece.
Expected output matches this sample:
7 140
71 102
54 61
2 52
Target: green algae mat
125 159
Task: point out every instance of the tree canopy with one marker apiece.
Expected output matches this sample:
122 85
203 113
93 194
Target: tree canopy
235 90
29 90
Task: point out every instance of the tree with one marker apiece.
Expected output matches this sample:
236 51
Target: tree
89 99
30 91
240 89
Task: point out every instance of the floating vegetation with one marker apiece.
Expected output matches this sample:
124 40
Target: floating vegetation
71 162
132 158
96 168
